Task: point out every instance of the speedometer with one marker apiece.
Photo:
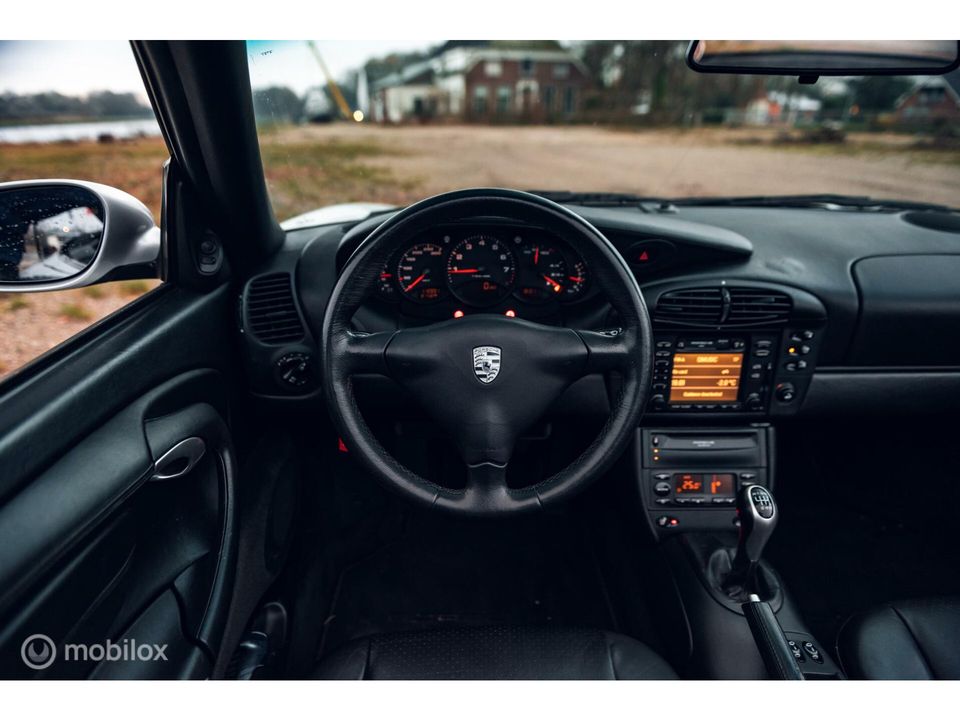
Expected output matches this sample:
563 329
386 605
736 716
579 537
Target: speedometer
481 270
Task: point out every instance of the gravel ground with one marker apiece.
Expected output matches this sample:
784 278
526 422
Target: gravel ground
433 159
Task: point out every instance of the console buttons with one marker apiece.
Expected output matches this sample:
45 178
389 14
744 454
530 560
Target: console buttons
754 401
662 476
739 344
666 521
795 649
663 501
664 344
748 476
810 649
763 344
662 488
786 392
761 352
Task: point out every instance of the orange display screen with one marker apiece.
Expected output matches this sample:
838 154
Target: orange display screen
705 377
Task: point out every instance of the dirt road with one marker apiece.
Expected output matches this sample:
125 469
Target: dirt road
431 159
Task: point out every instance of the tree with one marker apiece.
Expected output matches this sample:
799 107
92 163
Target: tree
878 93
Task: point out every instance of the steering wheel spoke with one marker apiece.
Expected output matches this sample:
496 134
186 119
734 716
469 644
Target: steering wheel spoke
366 352
486 477
607 350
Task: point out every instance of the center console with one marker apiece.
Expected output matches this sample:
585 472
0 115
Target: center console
690 477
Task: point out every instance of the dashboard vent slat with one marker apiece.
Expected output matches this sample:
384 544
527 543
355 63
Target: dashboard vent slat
723 307
757 306
697 307
271 311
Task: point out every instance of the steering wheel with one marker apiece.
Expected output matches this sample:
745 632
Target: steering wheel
486 378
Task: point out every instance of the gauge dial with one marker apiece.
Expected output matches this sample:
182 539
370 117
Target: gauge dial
420 273
387 285
481 270
577 281
543 272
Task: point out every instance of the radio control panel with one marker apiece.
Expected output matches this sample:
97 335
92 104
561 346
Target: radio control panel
750 372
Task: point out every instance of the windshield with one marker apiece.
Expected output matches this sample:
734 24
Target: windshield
393 122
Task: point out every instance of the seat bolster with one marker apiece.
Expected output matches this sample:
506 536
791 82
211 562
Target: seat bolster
495 653
911 640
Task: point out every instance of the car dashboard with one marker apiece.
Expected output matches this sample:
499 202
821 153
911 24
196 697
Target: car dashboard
758 313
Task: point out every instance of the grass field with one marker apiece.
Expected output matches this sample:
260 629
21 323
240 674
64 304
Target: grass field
311 166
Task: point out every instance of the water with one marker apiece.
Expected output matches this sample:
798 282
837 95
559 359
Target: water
119 129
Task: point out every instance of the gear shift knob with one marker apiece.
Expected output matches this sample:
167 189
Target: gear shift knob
758 518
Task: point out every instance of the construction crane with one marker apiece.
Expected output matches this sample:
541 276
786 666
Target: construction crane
334 88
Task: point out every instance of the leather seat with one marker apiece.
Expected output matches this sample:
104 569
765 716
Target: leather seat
495 653
912 640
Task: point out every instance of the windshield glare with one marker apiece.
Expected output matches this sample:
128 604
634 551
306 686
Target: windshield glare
392 123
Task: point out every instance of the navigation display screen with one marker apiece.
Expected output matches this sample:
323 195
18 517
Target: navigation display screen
705 377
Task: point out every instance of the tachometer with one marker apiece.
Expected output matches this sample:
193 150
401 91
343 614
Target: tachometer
420 273
481 270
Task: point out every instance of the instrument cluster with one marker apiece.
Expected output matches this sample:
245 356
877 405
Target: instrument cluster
484 267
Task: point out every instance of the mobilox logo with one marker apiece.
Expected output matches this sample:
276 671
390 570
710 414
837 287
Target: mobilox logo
39 652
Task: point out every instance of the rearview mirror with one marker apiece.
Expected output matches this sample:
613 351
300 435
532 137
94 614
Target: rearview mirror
59 234
809 59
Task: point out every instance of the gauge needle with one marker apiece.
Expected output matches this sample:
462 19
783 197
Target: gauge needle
463 271
536 255
416 282
557 287
575 278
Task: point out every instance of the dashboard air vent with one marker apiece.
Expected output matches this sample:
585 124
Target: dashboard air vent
696 307
723 307
756 306
271 312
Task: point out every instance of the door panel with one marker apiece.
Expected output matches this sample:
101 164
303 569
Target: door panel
95 552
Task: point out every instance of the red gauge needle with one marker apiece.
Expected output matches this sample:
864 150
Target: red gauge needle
557 287
536 255
464 271
575 278
416 282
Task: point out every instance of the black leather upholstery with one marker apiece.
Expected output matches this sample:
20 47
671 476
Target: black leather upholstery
912 640
496 653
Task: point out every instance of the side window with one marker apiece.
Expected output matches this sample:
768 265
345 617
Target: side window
74 111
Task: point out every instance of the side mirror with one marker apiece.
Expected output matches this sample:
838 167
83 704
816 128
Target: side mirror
60 234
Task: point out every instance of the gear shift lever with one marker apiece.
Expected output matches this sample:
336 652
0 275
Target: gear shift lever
758 517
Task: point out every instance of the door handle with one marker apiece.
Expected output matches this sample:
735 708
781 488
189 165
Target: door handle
180 459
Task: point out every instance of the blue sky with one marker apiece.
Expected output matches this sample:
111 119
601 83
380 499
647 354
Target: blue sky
76 68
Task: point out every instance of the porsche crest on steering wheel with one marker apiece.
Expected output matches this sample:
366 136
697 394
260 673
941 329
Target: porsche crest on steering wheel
486 363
